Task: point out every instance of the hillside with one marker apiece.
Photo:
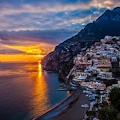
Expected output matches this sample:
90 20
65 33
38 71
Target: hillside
107 24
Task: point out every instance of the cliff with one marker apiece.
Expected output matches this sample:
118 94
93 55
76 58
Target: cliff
107 24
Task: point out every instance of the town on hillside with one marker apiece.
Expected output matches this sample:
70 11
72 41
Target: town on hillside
97 69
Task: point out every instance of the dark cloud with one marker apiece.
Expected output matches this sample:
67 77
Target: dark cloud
10 51
48 21
42 1
40 15
46 36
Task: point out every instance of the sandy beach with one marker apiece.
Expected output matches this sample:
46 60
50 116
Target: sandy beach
75 111
69 109
60 107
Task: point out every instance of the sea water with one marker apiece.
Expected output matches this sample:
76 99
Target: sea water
26 91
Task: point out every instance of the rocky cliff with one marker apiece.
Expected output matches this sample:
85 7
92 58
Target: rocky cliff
107 24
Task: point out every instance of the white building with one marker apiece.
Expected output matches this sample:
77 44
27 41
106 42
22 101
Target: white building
107 37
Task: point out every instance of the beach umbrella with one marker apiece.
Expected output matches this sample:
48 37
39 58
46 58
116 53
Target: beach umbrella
90 99
95 118
93 98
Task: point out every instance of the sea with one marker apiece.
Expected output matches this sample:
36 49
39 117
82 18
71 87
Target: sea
26 91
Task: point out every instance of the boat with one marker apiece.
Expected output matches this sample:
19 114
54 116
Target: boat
62 89
74 84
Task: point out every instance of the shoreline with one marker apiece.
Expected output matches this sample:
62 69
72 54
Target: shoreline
74 111
60 107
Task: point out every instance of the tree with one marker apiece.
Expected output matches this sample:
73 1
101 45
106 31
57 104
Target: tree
107 113
98 92
114 98
96 105
118 116
104 104
91 113
97 97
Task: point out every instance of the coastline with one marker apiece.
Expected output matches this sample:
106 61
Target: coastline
74 111
60 107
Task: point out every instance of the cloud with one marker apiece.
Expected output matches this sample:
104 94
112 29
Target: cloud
32 42
44 24
45 15
41 36
6 50
49 22
11 51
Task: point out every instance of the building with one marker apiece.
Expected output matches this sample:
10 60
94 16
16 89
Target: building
107 37
94 85
105 75
78 79
104 65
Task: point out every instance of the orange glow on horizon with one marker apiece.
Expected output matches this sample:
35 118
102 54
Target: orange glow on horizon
30 53
21 57
28 49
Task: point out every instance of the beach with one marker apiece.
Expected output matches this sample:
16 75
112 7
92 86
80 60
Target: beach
69 109
75 111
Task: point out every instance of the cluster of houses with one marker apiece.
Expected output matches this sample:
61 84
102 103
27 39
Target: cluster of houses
93 65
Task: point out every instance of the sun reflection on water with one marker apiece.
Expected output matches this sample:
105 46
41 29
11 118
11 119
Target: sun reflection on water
39 69
34 91
41 93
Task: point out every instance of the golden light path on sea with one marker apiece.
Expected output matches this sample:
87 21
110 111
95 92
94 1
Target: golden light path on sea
41 93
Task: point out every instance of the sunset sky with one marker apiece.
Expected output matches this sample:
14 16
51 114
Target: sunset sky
30 29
